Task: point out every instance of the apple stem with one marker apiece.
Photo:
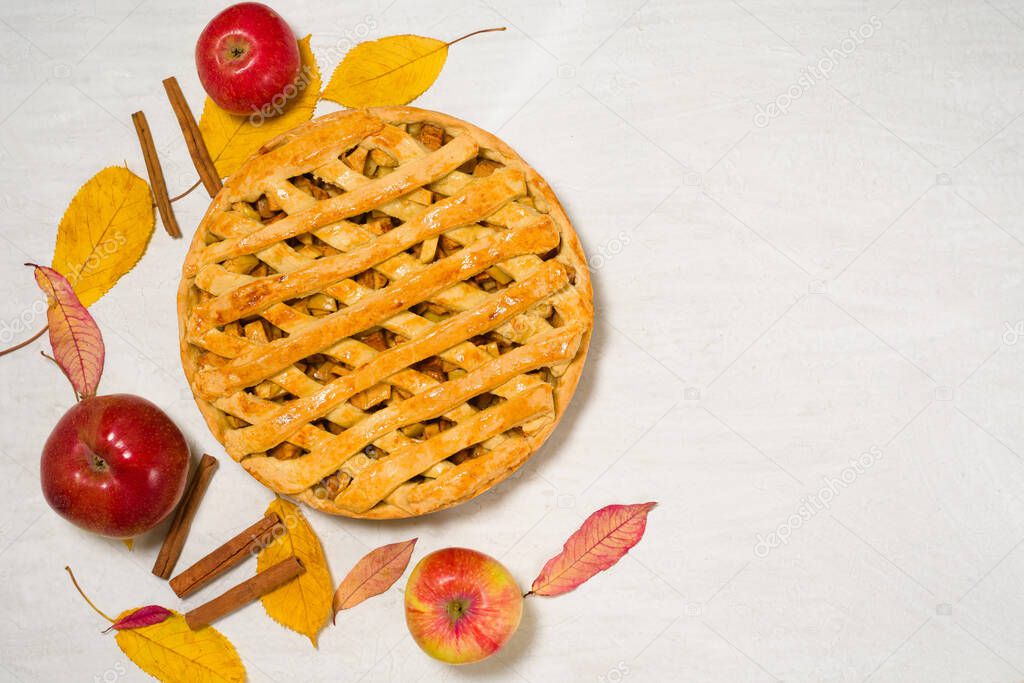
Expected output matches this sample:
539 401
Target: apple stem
474 33
86 597
527 594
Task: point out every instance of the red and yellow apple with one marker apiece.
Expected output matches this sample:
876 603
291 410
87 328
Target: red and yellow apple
461 606
115 465
246 56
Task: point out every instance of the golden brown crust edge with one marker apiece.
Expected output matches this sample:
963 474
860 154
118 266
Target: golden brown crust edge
571 253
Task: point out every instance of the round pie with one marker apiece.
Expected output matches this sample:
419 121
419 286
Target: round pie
384 312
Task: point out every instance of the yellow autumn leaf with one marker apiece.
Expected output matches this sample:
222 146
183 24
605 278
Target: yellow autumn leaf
389 71
303 605
104 232
232 139
171 652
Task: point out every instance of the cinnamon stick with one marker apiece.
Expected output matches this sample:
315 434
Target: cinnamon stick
156 175
244 593
231 553
171 549
193 138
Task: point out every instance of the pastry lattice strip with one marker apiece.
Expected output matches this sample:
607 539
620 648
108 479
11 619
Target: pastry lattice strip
450 437
250 408
402 257
401 145
268 432
375 307
406 324
426 339
284 476
350 351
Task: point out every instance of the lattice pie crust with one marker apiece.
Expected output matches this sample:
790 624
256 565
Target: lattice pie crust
384 313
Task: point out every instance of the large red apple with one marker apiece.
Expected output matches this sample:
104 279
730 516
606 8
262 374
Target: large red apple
115 465
246 56
461 606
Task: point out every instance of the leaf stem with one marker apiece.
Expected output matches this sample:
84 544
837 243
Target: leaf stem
25 343
82 593
527 594
186 192
74 392
470 35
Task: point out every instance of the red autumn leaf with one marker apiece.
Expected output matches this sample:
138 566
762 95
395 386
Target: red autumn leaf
143 616
373 574
74 336
604 538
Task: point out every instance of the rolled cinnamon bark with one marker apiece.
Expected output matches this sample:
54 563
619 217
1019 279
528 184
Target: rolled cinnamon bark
243 545
174 542
245 592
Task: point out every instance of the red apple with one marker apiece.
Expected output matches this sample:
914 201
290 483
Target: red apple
246 56
461 606
115 465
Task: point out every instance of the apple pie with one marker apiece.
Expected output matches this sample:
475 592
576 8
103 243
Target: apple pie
384 313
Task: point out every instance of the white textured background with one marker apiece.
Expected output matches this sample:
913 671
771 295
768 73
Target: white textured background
777 294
